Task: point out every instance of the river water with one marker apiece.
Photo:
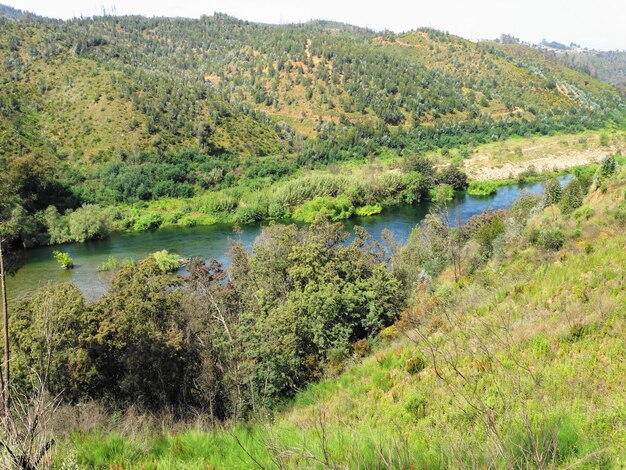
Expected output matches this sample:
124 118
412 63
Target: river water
213 241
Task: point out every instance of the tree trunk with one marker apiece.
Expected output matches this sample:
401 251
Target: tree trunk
5 319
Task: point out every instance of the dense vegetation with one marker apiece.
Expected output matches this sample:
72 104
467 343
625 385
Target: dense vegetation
484 312
102 116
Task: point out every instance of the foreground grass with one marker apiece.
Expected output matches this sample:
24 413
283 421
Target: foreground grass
520 364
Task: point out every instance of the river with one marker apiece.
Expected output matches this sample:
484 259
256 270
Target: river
213 242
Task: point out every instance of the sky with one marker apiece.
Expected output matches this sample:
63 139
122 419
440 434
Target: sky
598 24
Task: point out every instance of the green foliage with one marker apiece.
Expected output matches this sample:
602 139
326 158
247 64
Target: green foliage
146 126
415 364
85 223
371 209
52 330
294 307
441 193
572 197
607 167
551 239
523 207
334 209
524 176
64 259
487 234
248 214
454 177
552 192
113 264
482 188
147 221
166 261
416 407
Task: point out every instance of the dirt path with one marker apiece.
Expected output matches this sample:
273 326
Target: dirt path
483 167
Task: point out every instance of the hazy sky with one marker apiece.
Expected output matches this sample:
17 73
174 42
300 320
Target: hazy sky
599 24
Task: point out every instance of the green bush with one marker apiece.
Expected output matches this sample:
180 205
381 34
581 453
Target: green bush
524 176
113 264
455 177
368 210
277 211
416 407
522 208
482 188
166 261
441 193
333 208
416 188
607 167
487 234
64 259
147 221
552 193
246 215
572 196
85 223
415 364
551 239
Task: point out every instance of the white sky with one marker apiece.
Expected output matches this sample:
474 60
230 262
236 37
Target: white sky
599 24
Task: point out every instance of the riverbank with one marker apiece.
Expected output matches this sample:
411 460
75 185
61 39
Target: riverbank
338 196
213 241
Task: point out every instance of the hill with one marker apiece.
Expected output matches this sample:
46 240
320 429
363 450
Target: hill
15 14
123 110
608 66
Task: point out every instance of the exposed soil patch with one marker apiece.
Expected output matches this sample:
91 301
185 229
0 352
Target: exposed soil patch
484 168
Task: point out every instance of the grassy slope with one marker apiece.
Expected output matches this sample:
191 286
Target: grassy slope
537 336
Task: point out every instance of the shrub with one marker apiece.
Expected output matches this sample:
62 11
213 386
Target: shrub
572 196
604 140
371 209
421 165
147 221
113 264
416 407
584 213
487 234
482 188
64 259
166 261
455 177
552 193
607 167
335 209
416 186
187 221
551 239
415 364
88 222
277 211
361 347
441 193
246 215
522 208
529 172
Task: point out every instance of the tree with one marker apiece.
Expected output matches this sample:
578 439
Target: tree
8 230
573 196
141 349
552 192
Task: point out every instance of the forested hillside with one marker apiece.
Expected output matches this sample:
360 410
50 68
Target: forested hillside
114 111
